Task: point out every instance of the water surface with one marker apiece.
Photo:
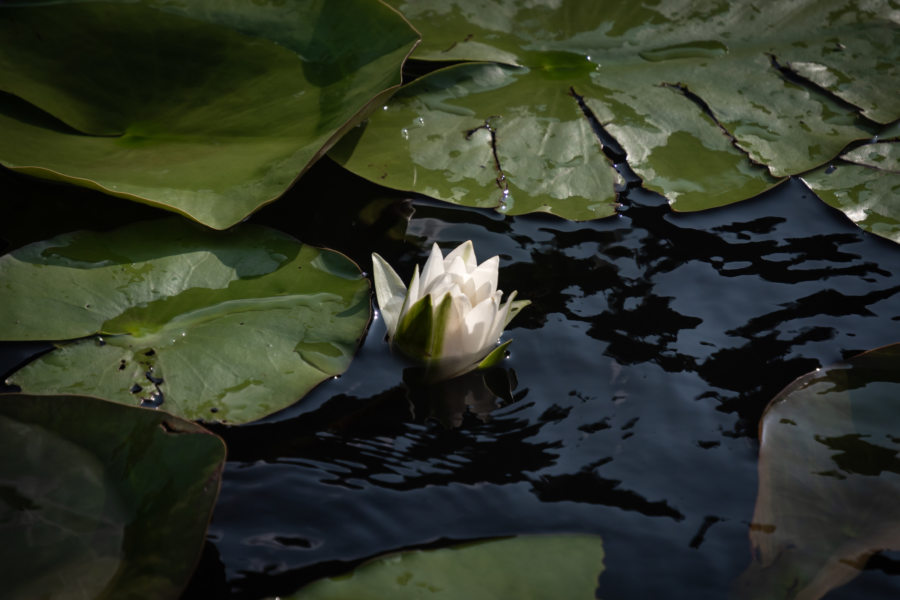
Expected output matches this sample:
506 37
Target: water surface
629 406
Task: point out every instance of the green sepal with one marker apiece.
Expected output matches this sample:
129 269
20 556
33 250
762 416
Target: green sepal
413 335
496 355
439 327
514 309
420 333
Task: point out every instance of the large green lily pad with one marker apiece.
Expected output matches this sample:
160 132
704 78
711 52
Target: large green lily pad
210 109
101 501
866 189
705 100
227 326
525 568
455 136
829 478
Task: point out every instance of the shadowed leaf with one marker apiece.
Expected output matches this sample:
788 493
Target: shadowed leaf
829 479
101 501
210 109
525 568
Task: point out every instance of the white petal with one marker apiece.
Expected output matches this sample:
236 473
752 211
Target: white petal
500 323
484 278
466 251
389 290
479 325
465 283
414 293
456 332
433 269
456 267
440 287
461 301
467 288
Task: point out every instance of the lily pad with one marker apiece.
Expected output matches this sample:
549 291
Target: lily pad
708 105
454 135
525 568
227 326
829 478
866 188
211 109
101 500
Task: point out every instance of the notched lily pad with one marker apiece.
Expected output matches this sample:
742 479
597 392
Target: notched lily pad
829 478
708 105
209 109
101 500
218 326
525 568
865 187
463 135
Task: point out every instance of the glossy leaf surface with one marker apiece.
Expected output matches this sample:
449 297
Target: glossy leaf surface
209 109
101 500
867 189
220 326
526 568
463 135
829 478
710 105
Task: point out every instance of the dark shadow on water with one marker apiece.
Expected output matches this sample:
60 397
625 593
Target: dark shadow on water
587 486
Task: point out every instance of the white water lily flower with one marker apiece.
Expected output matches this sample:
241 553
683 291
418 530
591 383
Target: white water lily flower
450 317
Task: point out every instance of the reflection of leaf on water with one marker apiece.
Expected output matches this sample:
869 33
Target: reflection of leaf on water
526 567
829 478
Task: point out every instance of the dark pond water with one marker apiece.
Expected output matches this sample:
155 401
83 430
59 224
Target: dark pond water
628 407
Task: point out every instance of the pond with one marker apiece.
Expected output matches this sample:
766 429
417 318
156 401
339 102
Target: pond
628 407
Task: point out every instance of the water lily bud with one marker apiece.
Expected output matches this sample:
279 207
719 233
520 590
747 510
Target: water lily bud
450 317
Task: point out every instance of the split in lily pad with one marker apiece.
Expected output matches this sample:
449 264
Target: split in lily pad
866 187
101 500
707 104
524 568
210 109
228 326
829 478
